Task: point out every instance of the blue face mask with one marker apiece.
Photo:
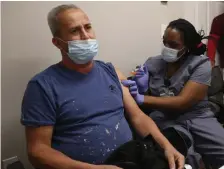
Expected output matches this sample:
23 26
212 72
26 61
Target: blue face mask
82 51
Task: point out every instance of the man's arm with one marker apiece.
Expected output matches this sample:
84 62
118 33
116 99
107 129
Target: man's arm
38 111
142 123
42 156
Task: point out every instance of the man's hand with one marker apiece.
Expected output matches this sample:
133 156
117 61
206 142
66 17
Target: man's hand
145 126
174 157
107 167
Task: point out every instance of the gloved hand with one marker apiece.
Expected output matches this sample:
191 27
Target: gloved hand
134 91
142 79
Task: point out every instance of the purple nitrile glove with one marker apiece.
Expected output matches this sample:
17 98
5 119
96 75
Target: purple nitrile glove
134 91
142 79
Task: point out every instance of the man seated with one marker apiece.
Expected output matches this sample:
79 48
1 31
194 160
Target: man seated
74 110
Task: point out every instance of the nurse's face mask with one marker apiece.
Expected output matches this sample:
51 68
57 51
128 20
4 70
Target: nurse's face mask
171 55
82 51
173 48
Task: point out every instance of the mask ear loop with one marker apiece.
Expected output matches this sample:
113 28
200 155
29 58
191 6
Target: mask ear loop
63 42
182 53
61 39
187 51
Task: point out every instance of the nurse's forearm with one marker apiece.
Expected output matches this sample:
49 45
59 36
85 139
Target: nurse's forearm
164 103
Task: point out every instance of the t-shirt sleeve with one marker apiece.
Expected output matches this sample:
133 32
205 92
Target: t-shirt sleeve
202 73
37 106
113 73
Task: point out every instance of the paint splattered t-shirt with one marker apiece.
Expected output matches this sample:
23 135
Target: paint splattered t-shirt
86 110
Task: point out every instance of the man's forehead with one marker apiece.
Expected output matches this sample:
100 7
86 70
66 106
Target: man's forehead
73 16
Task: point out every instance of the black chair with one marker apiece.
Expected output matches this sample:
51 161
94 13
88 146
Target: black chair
145 153
12 163
16 165
216 94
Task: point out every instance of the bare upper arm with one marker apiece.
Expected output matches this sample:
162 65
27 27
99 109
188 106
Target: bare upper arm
193 92
131 107
36 136
120 75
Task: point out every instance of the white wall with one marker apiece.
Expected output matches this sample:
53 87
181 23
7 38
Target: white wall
128 33
0 77
201 13
215 9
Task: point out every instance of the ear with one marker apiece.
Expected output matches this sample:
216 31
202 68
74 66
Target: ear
56 43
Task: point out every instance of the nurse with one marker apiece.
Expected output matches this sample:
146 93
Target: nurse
174 87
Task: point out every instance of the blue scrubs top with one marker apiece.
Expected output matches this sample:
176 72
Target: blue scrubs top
194 68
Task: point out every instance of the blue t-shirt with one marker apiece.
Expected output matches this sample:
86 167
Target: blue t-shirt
194 68
86 110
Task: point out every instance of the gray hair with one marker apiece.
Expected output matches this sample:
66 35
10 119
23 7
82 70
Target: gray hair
52 16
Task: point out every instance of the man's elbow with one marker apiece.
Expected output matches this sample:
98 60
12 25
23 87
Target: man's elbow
34 155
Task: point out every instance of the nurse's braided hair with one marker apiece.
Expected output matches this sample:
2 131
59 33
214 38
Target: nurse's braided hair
192 39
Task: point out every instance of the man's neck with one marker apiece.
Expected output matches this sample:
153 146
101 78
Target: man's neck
84 68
